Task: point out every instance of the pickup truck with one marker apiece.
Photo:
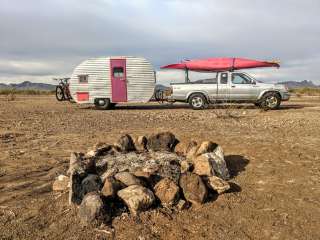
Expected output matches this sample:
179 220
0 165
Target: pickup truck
228 87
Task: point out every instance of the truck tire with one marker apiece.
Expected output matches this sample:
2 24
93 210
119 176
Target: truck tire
271 101
103 103
198 101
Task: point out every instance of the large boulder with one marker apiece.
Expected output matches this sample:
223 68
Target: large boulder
162 142
137 198
193 188
125 143
92 210
211 164
110 187
61 183
91 183
127 178
140 143
167 192
217 184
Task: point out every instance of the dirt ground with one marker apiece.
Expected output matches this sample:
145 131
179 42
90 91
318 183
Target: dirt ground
273 156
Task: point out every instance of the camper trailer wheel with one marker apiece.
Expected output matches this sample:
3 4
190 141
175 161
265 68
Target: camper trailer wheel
102 103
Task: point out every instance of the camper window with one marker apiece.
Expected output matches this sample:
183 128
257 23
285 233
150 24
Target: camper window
83 78
118 72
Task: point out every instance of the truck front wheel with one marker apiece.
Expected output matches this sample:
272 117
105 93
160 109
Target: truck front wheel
271 101
198 101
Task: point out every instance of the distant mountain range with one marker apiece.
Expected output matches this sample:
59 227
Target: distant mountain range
28 85
302 84
49 87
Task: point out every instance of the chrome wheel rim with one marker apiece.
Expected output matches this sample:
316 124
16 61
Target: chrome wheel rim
271 101
197 102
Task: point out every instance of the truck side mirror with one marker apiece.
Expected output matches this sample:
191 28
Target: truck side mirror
254 82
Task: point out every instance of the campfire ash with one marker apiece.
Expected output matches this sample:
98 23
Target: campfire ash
142 173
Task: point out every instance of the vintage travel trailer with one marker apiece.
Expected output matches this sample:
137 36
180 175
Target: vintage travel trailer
106 81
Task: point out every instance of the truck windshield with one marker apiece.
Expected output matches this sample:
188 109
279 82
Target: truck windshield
253 79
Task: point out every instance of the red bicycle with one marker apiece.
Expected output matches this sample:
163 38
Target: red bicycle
62 89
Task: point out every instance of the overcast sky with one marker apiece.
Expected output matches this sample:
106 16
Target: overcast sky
40 39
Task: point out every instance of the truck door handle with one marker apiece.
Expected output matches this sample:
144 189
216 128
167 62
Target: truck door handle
233 86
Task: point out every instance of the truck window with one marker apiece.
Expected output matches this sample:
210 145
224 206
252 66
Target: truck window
240 79
224 78
206 81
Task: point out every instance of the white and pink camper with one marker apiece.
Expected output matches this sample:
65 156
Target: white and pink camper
106 81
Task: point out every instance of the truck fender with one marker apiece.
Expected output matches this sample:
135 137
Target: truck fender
268 91
204 93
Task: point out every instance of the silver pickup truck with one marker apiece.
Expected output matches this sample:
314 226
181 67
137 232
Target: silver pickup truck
228 87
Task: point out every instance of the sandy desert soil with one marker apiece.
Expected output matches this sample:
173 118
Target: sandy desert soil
274 158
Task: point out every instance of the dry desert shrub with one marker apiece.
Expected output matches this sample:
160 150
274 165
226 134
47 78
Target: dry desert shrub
11 97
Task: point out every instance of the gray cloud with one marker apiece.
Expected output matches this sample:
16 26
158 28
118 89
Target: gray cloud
43 38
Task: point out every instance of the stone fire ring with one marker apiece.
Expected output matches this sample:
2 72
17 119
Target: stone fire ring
142 173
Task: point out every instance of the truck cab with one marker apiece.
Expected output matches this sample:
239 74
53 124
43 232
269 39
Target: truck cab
226 87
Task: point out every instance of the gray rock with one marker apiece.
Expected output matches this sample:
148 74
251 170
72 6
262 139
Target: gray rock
91 183
61 183
75 191
137 198
194 189
218 184
218 163
125 144
76 164
206 147
211 164
162 142
81 164
167 192
127 178
140 143
170 170
92 210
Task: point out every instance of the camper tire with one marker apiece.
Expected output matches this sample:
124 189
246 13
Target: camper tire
102 103
198 101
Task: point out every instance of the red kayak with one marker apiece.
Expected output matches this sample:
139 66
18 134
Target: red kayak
220 64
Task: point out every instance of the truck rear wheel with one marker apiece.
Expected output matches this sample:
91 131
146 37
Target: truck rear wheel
103 103
271 101
198 101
